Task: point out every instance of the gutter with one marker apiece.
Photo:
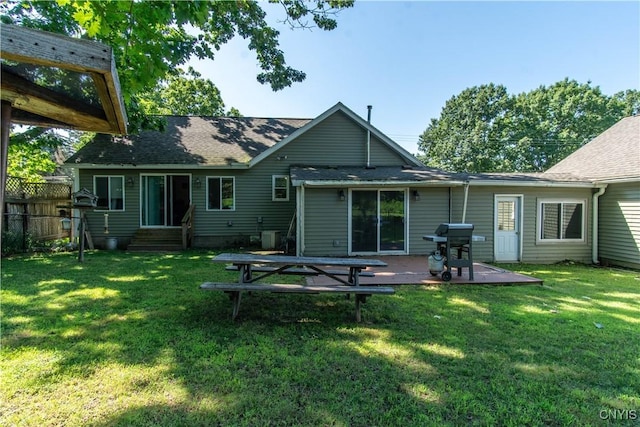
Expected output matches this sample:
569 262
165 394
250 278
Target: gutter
594 225
377 183
129 166
543 184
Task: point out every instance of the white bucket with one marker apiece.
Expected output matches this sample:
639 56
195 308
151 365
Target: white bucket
111 243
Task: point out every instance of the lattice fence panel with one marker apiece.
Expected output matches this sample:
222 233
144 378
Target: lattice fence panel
18 188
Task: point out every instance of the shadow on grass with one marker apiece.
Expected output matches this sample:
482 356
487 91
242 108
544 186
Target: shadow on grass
167 353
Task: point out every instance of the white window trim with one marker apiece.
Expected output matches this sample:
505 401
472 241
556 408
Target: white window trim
221 177
562 201
273 188
122 178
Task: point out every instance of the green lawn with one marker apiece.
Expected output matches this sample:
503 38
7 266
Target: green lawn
129 339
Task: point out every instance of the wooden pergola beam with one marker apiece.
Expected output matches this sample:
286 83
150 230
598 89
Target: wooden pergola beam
71 113
30 46
26 102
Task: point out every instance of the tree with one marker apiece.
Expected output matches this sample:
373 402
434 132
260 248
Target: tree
524 133
464 138
186 94
151 40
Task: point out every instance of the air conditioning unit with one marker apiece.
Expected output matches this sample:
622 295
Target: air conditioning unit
270 239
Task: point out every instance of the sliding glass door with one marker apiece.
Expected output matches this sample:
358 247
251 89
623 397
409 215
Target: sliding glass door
164 200
377 221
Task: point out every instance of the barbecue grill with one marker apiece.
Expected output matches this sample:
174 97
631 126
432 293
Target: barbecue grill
454 239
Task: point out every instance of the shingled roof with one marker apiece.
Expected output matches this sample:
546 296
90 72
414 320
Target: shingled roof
387 175
193 140
614 154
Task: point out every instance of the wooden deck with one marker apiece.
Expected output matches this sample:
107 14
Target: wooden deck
413 270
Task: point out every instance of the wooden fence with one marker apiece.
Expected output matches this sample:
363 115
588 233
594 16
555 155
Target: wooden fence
35 209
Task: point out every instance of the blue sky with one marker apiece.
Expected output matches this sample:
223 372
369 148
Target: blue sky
406 59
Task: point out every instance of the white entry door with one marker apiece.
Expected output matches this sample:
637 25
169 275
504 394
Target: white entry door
507 228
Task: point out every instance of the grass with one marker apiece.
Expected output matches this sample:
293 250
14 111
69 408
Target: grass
129 339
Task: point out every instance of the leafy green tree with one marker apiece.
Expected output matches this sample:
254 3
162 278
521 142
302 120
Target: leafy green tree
186 94
464 138
151 40
549 123
487 130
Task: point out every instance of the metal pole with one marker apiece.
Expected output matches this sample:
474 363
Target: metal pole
5 123
81 248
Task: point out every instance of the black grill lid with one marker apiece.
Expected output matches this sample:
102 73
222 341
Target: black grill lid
445 228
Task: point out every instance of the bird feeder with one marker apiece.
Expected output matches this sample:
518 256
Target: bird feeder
84 199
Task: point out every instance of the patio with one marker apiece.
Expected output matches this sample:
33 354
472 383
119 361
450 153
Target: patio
413 270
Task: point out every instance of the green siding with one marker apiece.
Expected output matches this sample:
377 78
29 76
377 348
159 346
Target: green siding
338 141
619 225
480 212
425 215
122 224
325 221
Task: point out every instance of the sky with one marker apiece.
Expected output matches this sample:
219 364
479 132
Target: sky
406 59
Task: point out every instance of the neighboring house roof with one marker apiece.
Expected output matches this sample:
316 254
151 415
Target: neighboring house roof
612 155
190 141
381 175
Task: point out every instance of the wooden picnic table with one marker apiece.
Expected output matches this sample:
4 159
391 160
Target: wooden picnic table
285 264
248 264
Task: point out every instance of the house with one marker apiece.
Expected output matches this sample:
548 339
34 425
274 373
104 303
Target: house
612 162
333 185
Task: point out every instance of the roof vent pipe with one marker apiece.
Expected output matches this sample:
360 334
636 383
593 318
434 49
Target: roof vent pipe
369 107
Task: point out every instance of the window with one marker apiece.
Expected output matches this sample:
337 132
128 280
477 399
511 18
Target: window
110 192
506 215
220 193
561 220
280 188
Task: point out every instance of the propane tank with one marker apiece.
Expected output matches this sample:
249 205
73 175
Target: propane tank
436 263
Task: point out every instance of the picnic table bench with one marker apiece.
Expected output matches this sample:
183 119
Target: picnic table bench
298 271
267 265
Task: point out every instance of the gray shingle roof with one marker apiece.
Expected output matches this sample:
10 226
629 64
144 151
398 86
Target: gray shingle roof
614 154
530 177
197 141
359 174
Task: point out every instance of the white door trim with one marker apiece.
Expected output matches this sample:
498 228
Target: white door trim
519 219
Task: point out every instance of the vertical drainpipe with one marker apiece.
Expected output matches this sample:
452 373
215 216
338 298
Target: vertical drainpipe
369 107
464 203
300 220
594 225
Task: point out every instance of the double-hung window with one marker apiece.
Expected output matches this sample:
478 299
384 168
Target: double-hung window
110 192
280 188
221 193
561 220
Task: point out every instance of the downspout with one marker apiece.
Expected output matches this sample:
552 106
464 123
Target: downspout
464 203
369 107
450 204
594 225
300 221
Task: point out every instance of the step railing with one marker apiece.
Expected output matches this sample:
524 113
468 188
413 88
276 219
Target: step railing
187 227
